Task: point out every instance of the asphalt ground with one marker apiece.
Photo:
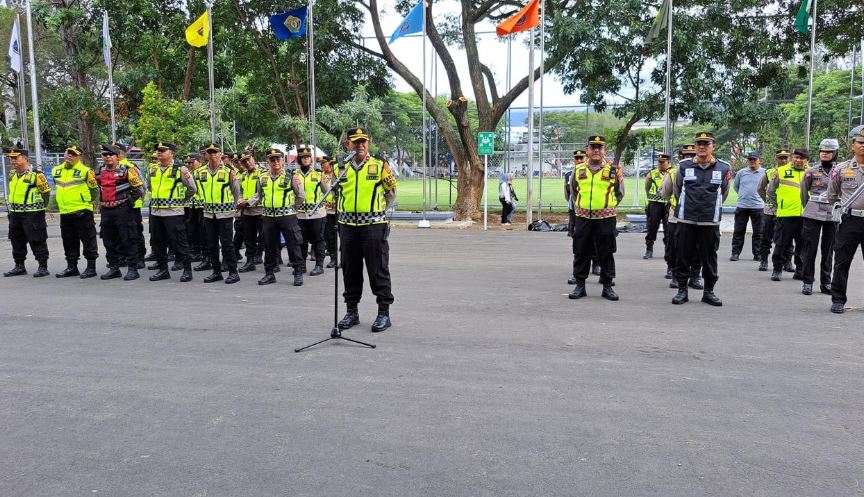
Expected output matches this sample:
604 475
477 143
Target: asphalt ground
490 383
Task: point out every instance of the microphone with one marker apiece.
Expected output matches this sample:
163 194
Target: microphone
348 157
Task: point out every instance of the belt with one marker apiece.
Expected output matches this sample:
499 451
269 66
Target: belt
856 212
111 204
26 207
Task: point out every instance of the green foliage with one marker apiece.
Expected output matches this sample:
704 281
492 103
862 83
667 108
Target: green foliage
168 120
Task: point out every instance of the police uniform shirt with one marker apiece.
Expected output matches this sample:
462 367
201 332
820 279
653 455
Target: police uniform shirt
845 179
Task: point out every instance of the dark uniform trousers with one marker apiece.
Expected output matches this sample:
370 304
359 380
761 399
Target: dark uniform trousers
786 231
141 248
237 240
697 243
28 227
810 243
194 219
251 230
119 235
591 234
330 235
671 253
742 216
313 235
79 227
849 236
657 214
571 221
169 231
369 244
769 233
287 227
220 232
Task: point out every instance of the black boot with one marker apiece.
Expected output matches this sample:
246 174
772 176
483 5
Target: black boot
277 269
318 269
18 270
267 279
681 297
233 277
140 265
351 318
649 251
162 274
42 271
789 267
763 266
89 271
196 257
150 257
332 263
609 293
673 284
215 276
177 266
382 322
798 276
826 289
838 308
131 273
696 283
734 257
112 273
153 267
578 291
807 289
595 269
249 266
572 280
258 259
298 279
204 266
668 274
187 272
710 298
776 275
71 270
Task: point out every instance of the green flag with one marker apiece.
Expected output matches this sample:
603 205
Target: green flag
801 24
661 21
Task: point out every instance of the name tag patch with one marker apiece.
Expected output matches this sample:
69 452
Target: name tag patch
689 174
716 177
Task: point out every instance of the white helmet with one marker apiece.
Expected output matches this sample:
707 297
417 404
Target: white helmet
829 145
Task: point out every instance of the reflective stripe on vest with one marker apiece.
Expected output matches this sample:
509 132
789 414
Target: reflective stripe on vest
595 196
73 194
361 199
23 194
165 187
789 191
673 201
217 194
312 186
656 176
277 195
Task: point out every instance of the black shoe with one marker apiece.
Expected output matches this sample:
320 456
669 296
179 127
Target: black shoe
177 266
267 279
807 289
89 271
382 322
317 270
757 258
649 253
196 258
216 276
578 291
331 264
668 274
277 269
111 274
162 274
734 257
681 297
232 278
789 268
826 289
42 271
763 266
150 257
609 294
140 265
245 268
776 275
131 274
710 298
673 284
572 281
696 283
303 269
153 267
298 280
171 256
258 259
838 308
595 270
69 271
351 318
187 272
18 270
204 266
798 276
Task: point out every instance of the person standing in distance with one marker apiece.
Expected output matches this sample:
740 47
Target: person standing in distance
220 191
29 193
366 192
76 185
657 210
749 206
311 223
701 186
817 219
171 185
784 191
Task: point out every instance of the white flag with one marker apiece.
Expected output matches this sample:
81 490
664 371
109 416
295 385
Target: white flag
106 40
15 48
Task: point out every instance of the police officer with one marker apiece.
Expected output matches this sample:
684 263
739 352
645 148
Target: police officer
141 251
365 193
194 214
119 187
769 224
597 186
670 253
846 180
279 194
328 176
220 191
701 185
170 187
657 210
76 185
784 192
251 214
28 196
817 219
311 223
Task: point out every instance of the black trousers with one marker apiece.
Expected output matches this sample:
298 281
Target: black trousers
169 231
571 221
506 211
810 236
658 215
28 227
287 227
366 244
120 236
742 216
671 254
769 234
237 241
588 233
194 219
331 235
849 236
251 226
140 243
786 231
79 228
697 242
220 232
313 234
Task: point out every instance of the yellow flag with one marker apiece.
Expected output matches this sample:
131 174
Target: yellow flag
198 31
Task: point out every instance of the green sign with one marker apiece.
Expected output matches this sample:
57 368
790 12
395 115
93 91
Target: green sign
486 143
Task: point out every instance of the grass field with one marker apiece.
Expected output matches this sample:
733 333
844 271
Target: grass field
410 194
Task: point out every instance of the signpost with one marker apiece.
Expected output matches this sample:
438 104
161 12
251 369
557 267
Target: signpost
485 147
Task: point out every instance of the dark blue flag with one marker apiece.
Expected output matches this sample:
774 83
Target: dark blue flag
291 24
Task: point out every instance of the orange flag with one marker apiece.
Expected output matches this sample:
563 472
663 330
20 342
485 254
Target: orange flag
524 20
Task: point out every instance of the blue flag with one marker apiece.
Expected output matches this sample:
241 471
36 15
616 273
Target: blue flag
291 24
413 22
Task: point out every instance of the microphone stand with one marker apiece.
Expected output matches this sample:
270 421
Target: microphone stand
335 332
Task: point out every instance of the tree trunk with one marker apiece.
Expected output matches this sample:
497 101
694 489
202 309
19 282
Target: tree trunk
187 81
622 140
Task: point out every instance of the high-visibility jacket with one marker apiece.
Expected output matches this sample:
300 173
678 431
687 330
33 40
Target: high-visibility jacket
595 192
656 179
361 199
26 189
129 164
672 200
788 191
312 186
277 194
216 190
249 183
167 190
73 187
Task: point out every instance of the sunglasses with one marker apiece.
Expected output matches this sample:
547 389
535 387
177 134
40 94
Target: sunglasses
106 154
703 144
595 147
273 159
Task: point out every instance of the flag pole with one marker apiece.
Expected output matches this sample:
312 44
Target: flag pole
424 223
34 94
311 55
529 198
540 134
22 88
210 71
851 90
667 138
110 64
810 86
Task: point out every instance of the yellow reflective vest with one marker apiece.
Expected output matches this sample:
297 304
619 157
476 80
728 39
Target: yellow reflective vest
595 195
73 187
167 190
312 186
131 165
788 191
216 190
26 189
277 194
656 178
361 199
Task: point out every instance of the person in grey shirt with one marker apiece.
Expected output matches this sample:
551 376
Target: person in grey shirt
749 206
